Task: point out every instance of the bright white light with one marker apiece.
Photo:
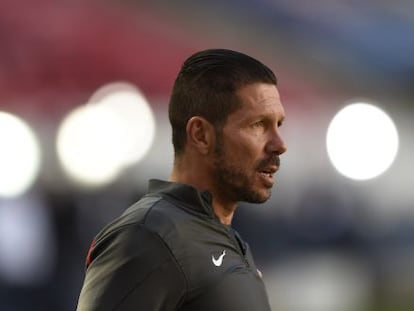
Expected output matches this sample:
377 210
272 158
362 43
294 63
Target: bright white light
89 145
132 107
19 156
362 141
113 131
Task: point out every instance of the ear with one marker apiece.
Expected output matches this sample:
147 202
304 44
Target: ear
200 134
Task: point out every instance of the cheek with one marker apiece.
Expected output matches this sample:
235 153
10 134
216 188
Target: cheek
244 151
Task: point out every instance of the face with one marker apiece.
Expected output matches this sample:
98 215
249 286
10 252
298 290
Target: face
249 145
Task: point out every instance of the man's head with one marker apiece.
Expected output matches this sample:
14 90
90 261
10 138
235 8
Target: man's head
206 86
225 113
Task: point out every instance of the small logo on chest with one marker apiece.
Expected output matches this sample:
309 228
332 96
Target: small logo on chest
219 261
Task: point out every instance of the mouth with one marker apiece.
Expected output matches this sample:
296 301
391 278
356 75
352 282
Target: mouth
266 175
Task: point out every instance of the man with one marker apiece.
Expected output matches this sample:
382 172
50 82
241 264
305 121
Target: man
175 249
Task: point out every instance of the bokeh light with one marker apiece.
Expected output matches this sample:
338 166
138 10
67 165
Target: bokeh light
128 103
113 131
89 147
362 141
19 156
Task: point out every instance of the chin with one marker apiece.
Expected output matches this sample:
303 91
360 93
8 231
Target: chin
258 196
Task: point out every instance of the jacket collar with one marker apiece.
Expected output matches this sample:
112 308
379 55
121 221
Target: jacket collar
188 196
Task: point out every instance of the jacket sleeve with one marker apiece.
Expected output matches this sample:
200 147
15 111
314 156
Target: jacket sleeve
131 269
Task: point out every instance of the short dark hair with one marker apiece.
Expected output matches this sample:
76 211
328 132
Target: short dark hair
206 86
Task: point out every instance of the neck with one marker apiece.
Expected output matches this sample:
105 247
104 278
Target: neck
224 212
195 176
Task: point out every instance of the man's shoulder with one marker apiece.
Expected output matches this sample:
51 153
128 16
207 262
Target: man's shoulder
153 212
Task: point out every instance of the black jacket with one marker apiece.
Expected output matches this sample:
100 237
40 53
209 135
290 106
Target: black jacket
170 252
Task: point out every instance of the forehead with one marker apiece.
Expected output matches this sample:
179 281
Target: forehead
259 99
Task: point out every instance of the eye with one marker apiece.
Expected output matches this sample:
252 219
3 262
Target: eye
258 124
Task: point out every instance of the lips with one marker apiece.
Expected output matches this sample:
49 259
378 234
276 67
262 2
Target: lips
266 176
267 168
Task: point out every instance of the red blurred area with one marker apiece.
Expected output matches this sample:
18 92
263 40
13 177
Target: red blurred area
54 50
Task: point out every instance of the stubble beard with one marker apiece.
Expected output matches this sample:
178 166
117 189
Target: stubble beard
233 182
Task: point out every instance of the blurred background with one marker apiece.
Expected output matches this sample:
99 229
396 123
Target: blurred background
84 88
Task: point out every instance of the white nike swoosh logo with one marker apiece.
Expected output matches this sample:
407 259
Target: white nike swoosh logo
218 262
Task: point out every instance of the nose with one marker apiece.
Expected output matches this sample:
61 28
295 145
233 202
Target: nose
276 144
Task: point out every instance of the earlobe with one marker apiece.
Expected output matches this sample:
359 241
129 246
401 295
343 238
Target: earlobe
200 134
